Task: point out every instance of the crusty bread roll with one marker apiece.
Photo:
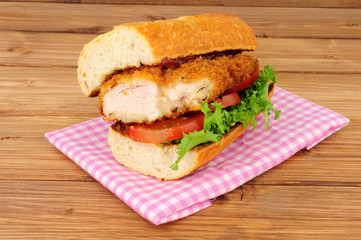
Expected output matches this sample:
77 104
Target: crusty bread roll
156 159
147 43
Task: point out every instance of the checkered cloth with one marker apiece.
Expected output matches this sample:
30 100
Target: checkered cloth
302 124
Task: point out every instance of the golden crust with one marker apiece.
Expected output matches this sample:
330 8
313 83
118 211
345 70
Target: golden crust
224 71
195 35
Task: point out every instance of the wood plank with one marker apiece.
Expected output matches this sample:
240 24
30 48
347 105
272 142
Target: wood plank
44 92
63 210
26 154
244 3
95 18
309 55
292 55
41 49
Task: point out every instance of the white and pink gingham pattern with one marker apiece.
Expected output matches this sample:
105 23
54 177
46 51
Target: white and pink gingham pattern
302 124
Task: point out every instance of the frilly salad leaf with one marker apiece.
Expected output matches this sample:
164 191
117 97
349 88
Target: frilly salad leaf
220 121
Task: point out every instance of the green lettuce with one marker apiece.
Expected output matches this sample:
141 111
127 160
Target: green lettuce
220 121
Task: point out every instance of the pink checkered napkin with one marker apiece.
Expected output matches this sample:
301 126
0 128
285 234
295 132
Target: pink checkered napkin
302 125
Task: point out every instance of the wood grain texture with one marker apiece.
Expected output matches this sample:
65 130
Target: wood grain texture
293 55
63 210
44 92
243 3
94 18
314 194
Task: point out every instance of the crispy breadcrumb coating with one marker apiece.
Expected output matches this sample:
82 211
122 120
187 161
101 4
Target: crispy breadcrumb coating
224 71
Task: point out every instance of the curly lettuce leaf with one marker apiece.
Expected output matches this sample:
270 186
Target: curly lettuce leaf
220 121
191 140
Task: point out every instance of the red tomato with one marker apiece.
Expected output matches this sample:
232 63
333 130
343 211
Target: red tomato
228 100
245 83
166 130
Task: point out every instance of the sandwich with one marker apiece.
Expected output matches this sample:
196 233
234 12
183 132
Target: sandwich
179 91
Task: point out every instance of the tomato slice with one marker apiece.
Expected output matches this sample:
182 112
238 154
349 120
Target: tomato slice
228 100
166 130
245 83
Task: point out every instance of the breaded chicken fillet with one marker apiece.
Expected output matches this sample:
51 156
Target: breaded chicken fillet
152 93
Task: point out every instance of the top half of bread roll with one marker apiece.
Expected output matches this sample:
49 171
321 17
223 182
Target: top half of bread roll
148 43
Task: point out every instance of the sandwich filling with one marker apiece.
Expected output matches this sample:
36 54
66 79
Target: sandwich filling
174 87
241 106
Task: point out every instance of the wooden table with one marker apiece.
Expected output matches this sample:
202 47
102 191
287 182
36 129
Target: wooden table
316 47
